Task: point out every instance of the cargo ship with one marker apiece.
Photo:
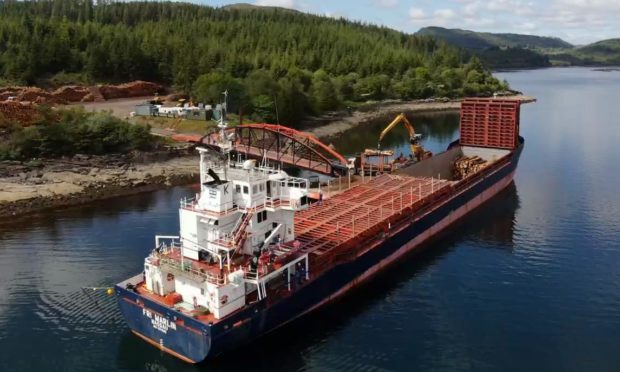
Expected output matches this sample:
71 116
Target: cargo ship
253 253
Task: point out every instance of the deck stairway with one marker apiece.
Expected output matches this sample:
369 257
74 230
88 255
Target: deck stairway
237 239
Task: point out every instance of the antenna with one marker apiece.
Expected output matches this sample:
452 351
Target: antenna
275 100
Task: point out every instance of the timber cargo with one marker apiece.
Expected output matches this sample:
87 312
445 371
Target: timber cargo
253 253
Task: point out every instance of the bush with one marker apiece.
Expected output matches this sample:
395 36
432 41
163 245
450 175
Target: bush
77 131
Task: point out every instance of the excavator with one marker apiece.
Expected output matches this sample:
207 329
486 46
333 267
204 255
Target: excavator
414 138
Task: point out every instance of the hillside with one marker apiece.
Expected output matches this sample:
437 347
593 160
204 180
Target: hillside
482 40
605 52
501 50
600 53
305 63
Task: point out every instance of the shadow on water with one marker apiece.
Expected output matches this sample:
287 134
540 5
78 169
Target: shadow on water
288 347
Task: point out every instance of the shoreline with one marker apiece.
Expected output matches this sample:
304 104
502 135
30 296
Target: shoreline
27 189
335 123
60 184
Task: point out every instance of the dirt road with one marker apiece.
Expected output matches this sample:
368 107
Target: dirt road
120 107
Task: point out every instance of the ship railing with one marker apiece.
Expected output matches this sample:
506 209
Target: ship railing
187 269
277 202
171 240
192 205
188 203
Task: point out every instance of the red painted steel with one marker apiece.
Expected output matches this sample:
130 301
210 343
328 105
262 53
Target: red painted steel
299 135
331 230
283 145
490 122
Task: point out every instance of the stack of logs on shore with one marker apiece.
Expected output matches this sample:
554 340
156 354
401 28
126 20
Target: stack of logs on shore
467 165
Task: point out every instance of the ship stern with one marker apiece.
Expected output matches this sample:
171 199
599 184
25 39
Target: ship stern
165 328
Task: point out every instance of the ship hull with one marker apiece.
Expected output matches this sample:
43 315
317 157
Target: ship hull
193 341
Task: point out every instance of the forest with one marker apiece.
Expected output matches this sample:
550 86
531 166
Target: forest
265 57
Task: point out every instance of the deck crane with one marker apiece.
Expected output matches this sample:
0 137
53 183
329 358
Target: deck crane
414 138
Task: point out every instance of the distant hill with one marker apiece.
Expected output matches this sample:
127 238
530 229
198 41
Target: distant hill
604 52
500 50
483 40
505 50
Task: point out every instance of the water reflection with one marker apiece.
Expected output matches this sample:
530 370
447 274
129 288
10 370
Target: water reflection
438 130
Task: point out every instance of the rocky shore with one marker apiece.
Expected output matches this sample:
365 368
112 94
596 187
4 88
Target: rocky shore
35 186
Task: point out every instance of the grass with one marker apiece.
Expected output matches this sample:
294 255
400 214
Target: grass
180 125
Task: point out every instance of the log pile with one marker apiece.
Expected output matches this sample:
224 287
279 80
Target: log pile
467 165
134 89
17 112
79 93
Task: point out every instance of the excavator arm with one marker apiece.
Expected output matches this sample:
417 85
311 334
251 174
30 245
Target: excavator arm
416 149
401 118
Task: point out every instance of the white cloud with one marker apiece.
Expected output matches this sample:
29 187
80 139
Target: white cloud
417 14
440 17
386 3
281 3
445 14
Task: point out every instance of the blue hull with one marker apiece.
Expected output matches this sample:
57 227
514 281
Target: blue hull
193 341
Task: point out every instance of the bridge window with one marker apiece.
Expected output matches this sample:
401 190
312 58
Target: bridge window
245 189
262 187
238 189
254 189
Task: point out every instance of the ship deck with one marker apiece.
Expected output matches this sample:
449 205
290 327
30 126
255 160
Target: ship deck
330 223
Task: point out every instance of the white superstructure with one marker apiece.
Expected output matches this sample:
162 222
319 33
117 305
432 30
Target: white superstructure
235 236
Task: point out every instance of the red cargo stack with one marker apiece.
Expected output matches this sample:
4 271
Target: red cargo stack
489 122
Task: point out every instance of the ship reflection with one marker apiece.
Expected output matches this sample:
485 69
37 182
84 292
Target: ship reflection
287 349
493 223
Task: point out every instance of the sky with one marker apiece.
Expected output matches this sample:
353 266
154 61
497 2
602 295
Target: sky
576 21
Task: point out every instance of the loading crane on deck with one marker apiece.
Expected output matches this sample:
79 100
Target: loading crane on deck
414 138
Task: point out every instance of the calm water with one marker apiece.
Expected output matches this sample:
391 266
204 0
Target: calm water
531 281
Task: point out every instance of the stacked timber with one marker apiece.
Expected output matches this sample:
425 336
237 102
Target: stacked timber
467 165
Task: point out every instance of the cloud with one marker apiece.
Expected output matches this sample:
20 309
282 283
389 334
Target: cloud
417 14
386 3
280 3
439 17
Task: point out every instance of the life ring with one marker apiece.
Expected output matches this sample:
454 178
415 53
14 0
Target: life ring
170 277
224 299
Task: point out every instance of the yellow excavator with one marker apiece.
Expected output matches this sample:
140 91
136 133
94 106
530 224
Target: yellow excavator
414 138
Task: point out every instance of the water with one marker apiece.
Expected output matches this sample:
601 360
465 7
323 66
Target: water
530 281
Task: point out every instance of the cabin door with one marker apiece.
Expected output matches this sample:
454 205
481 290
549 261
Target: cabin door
268 188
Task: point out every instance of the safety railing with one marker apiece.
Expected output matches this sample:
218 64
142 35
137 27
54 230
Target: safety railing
187 269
